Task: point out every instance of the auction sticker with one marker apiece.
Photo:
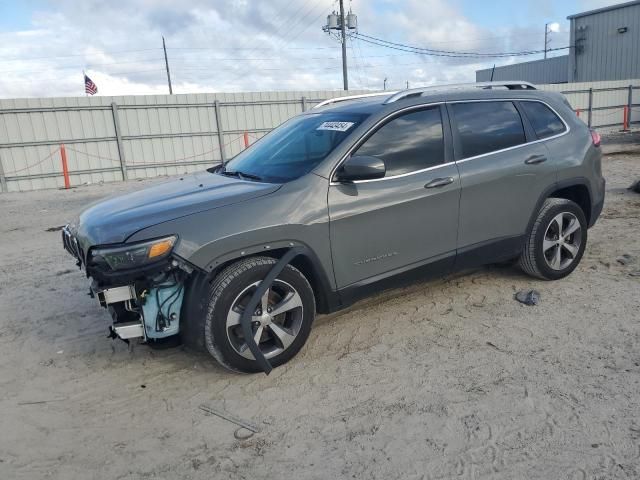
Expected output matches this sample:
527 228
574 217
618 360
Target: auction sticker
335 126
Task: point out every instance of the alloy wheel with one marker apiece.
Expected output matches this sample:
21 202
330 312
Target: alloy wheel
562 240
275 323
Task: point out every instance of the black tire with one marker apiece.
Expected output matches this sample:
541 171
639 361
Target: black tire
224 290
533 260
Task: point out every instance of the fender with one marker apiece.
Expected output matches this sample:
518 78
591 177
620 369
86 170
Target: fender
569 182
307 261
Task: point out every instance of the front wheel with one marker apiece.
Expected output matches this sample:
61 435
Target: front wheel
280 324
557 240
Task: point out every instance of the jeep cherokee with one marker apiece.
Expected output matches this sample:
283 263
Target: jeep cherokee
356 195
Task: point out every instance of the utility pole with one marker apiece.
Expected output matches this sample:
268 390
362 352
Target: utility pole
340 21
549 28
166 63
407 84
345 80
384 84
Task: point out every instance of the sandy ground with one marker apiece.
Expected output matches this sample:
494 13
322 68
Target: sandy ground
447 379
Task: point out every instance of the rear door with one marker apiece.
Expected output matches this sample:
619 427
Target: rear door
409 217
504 169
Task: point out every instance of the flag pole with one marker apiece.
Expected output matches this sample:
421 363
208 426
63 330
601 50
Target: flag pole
84 83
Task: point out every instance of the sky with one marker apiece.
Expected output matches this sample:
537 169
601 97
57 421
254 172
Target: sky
260 45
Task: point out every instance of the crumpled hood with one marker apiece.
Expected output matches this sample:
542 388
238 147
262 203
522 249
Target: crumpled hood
115 219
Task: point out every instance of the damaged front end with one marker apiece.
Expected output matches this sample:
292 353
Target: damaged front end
141 284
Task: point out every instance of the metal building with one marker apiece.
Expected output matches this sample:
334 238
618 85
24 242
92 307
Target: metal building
605 45
549 70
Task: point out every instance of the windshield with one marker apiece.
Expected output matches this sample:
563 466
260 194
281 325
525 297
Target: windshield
294 148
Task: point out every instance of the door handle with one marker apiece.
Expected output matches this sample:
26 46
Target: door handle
439 182
535 159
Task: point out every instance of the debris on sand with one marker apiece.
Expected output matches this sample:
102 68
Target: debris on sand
625 259
244 425
528 297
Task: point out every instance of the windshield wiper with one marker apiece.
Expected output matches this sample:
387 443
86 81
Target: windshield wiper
240 175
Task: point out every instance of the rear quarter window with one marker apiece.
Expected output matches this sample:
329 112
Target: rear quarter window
543 120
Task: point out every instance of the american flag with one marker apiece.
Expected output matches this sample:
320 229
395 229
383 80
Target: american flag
90 87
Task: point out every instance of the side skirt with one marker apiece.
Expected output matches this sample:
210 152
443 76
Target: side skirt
398 278
468 257
493 251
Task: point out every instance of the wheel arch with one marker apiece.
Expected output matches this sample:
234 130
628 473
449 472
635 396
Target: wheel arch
578 193
574 189
307 262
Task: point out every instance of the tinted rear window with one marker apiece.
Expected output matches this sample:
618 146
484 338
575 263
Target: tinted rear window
542 119
485 127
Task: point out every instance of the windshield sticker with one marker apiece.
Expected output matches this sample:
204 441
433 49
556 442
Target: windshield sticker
335 126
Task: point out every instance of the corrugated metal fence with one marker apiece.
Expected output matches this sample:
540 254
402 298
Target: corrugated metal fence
114 138
603 105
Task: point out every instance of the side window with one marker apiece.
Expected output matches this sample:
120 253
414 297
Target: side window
408 143
542 119
485 127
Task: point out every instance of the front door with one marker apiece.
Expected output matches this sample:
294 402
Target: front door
406 219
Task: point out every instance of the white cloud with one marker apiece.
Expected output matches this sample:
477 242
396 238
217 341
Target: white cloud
232 45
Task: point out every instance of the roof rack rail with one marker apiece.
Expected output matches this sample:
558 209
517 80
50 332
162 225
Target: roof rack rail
416 92
350 97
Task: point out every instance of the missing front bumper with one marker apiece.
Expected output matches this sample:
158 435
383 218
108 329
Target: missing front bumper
109 296
152 314
128 330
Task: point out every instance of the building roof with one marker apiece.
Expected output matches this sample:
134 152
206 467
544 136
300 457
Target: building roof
604 9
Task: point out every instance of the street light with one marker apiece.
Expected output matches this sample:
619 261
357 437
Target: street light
552 27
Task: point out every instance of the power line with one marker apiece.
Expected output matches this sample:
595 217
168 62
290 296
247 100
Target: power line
22 59
283 40
283 22
452 52
444 53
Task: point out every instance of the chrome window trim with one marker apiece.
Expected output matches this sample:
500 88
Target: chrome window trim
566 126
400 175
378 123
332 182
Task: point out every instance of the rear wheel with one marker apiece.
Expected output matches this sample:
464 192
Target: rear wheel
280 324
557 240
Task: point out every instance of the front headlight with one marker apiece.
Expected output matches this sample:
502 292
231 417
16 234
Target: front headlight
134 255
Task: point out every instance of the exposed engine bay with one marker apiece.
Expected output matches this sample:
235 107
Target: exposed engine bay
147 309
141 285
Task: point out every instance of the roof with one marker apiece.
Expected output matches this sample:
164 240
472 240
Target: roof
365 105
370 99
371 105
604 9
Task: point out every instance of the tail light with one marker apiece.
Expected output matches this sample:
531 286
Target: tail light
595 138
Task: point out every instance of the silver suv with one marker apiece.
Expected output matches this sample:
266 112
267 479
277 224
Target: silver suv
359 194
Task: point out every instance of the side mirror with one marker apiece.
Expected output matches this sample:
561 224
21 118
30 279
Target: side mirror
361 167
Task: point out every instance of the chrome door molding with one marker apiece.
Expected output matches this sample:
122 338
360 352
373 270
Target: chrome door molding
426 105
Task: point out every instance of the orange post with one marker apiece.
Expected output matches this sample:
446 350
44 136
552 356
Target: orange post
246 140
625 118
65 168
